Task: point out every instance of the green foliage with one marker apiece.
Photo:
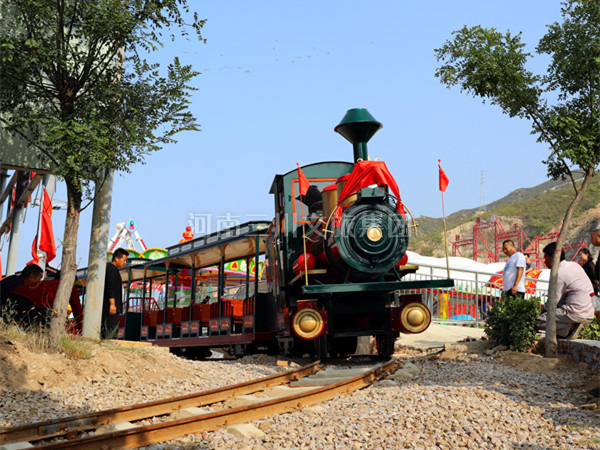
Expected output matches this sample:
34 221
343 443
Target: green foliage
591 331
79 85
561 104
491 65
511 322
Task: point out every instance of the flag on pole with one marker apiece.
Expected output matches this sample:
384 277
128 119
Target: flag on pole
303 186
302 181
46 234
443 185
443 178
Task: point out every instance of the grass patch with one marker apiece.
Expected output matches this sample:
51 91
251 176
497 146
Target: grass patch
142 352
36 340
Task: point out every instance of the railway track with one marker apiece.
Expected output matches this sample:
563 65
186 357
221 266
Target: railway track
306 386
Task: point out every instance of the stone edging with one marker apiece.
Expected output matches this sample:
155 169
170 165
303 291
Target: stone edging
582 351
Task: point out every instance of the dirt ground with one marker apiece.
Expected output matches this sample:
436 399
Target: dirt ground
21 368
24 369
583 378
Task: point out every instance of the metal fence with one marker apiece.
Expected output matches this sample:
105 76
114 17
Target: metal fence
471 296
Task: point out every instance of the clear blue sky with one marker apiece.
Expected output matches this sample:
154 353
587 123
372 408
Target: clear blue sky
276 77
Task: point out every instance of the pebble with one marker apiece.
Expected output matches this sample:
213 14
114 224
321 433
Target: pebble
460 403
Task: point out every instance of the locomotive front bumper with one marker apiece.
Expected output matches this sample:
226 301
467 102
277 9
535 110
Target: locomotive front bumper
384 286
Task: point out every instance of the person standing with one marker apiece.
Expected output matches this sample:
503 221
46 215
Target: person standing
574 293
595 239
112 306
513 277
529 264
585 259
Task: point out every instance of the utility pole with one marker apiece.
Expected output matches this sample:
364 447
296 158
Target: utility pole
94 291
15 230
482 195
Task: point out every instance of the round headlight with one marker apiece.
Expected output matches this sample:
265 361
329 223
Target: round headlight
308 323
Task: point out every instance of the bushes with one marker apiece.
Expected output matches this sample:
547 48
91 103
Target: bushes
511 322
591 331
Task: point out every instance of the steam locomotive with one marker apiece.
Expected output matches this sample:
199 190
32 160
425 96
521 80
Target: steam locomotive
334 258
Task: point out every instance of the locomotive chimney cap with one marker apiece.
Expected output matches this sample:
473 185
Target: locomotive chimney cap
358 125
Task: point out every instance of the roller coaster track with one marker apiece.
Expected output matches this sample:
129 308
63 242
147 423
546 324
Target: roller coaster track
137 435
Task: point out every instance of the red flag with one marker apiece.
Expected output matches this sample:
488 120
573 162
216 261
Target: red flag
46 233
302 181
443 178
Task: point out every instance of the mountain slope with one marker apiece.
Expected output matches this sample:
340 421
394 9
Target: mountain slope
536 210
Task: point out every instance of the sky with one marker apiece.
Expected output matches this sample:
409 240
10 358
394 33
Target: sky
277 77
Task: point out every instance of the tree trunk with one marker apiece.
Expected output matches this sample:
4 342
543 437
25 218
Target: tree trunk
551 342
68 266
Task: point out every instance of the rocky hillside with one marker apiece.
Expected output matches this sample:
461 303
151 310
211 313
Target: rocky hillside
536 210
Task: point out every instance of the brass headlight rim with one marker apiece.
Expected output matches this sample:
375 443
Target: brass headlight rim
410 308
296 323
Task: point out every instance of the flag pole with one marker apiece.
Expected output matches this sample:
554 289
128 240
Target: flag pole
443 185
303 229
445 238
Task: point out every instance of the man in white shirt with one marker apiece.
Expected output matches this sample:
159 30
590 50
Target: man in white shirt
513 277
574 292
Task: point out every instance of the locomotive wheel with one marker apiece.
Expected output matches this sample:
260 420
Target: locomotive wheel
192 352
385 345
344 346
316 348
321 346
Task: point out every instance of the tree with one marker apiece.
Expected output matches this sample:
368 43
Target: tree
79 85
491 65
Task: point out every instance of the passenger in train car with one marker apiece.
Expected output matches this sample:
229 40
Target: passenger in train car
574 292
112 306
31 274
312 199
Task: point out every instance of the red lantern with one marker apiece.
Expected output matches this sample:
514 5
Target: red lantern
298 266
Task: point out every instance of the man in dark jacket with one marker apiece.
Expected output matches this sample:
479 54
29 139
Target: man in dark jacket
112 306
31 274
595 239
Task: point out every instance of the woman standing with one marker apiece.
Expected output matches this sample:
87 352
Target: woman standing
585 259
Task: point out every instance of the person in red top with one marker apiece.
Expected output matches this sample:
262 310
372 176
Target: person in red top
13 306
42 295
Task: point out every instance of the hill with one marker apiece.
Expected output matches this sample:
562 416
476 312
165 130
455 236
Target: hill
536 210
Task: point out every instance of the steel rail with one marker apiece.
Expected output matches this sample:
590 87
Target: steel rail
146 435
70 426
